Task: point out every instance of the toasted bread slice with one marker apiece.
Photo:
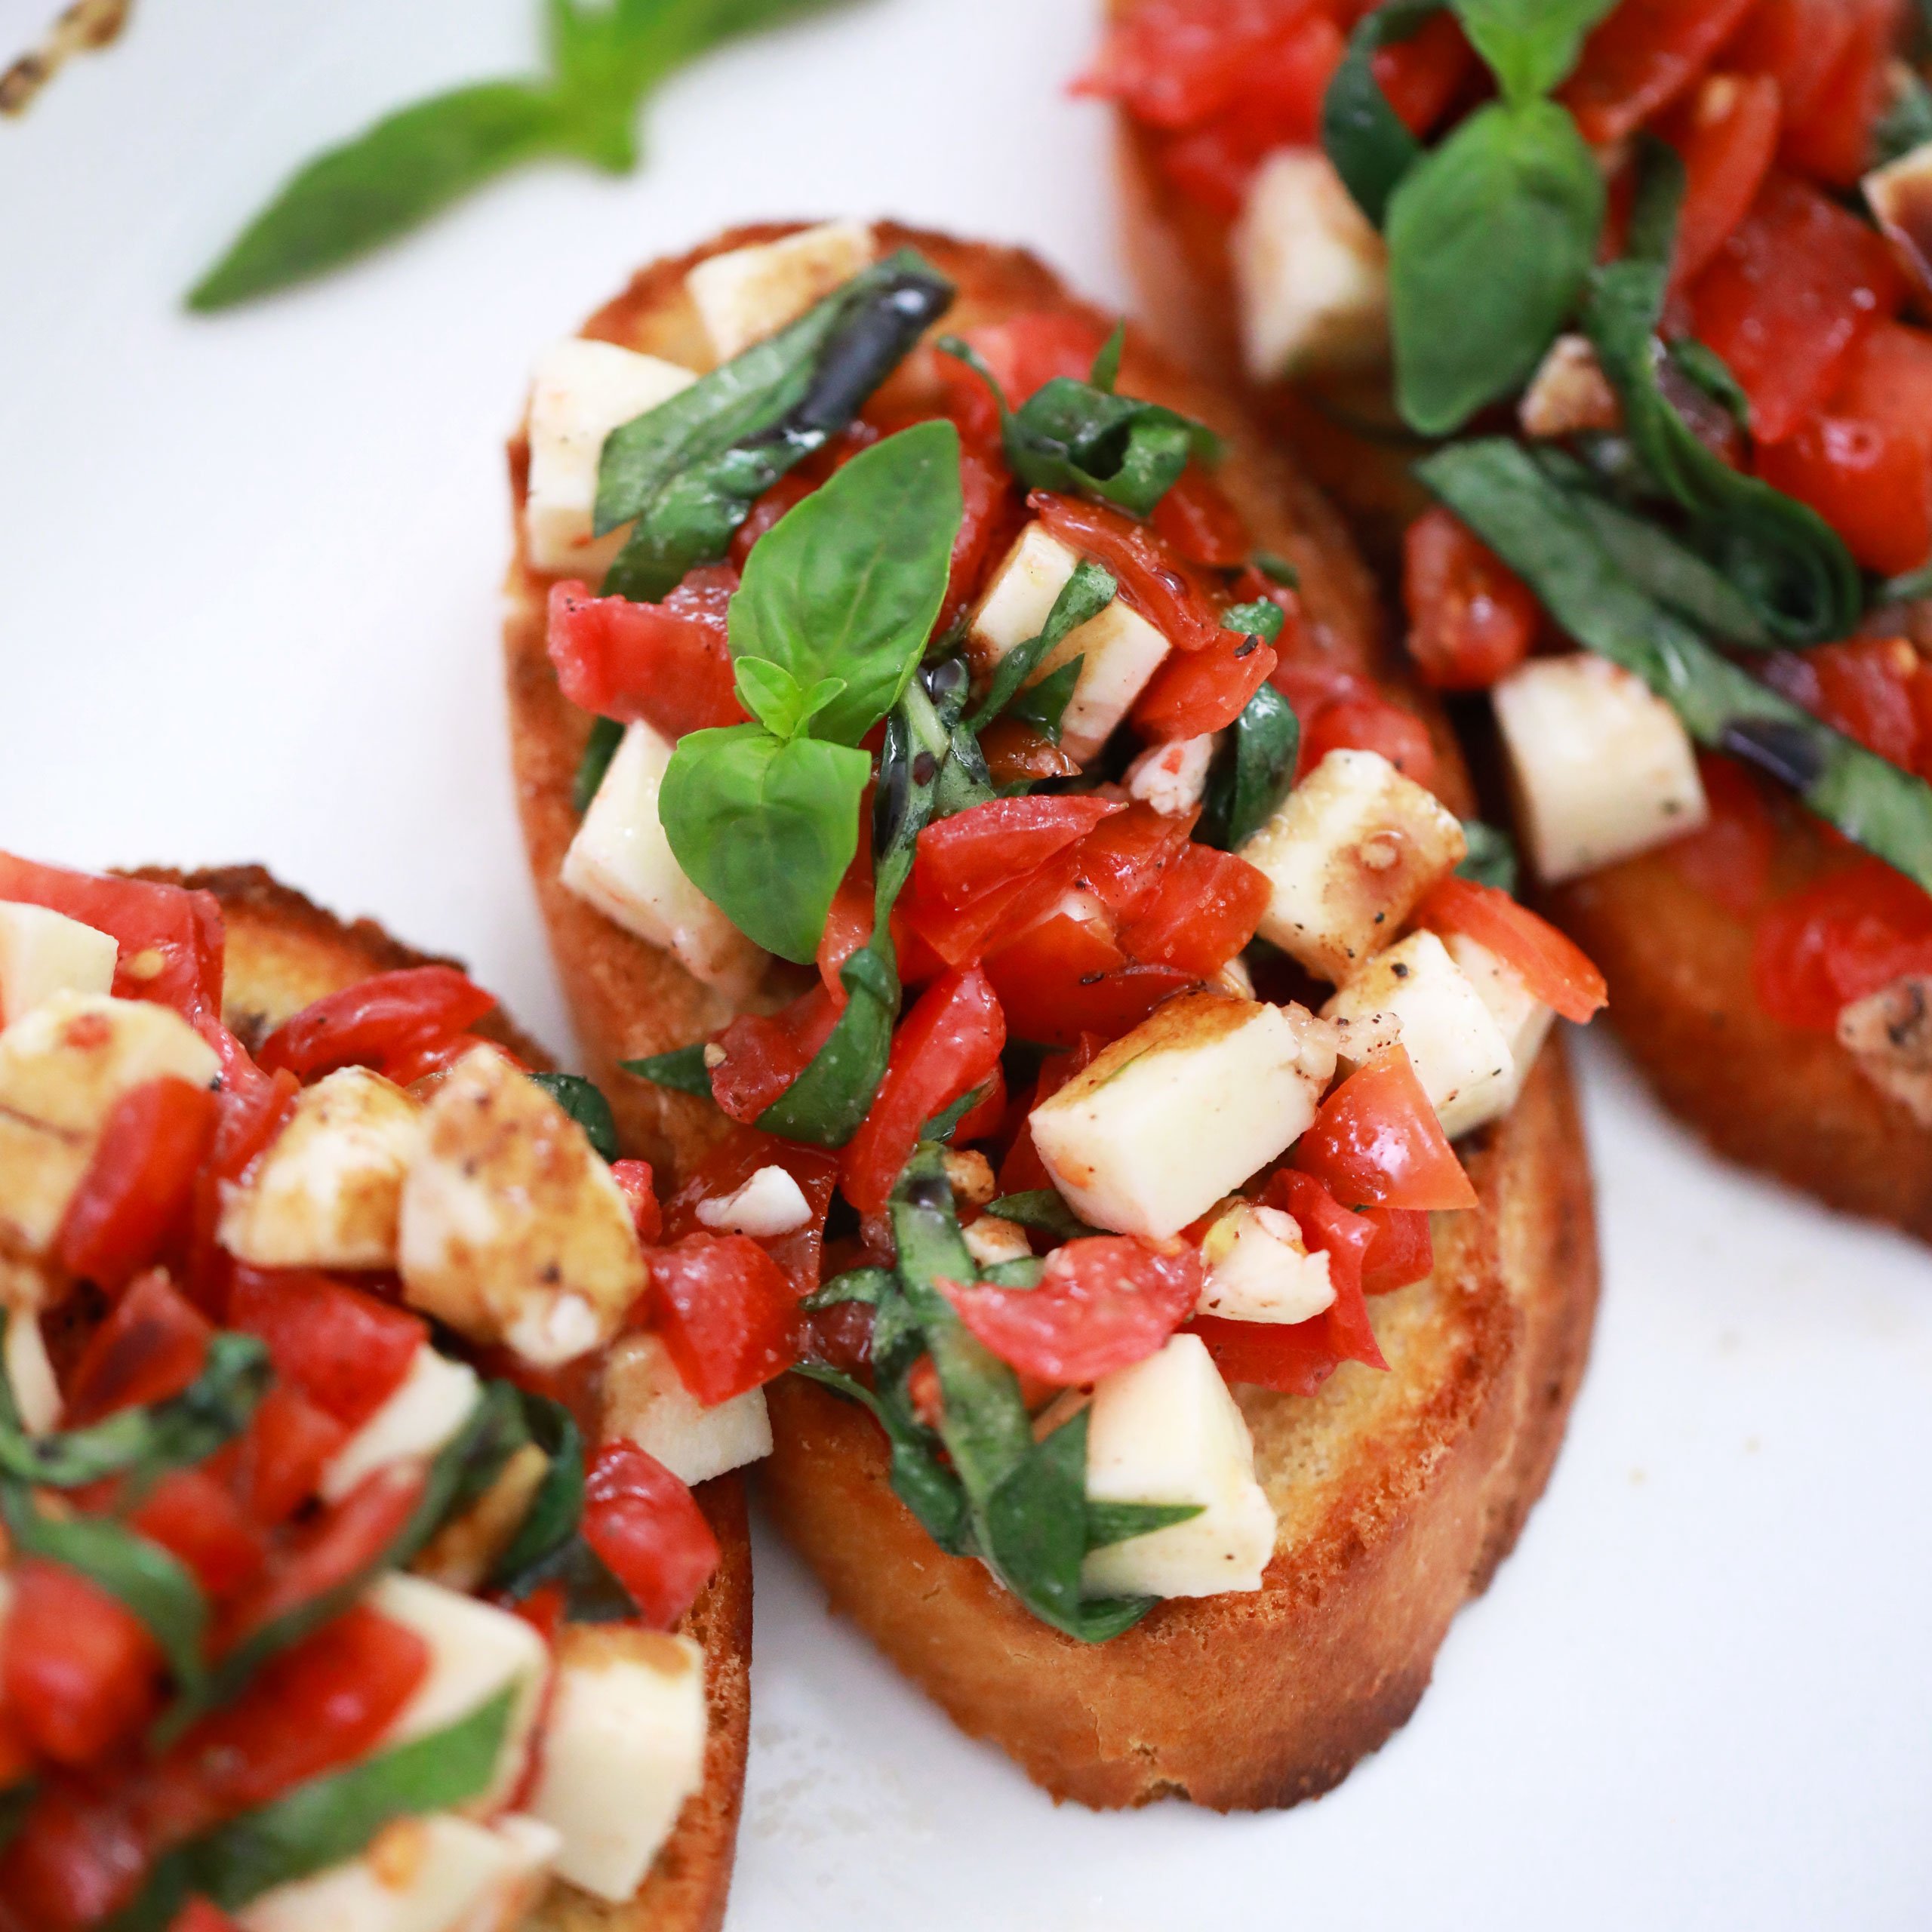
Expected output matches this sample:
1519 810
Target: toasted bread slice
1397 1494
284 952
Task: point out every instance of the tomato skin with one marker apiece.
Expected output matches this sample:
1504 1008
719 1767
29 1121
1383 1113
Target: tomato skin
1062 979
1867 689
729 1163
1014 750
1641 58
1868 478
1197 517
958 938
1556 969
1422 76
151 1347
76 1860
1104 1302
1471 619
198 1519
374 1021
1796 43
1727 134
1401 1251
1377 1141
249 1117
1837 940
345 1350
648 1529
1830 141
1176 63
1203 690
635 1183
765 1052
726 1312
199 1915
1027 350
277 1461
961 858
1153 579
78 1667
1124 859
1369 724
1204 911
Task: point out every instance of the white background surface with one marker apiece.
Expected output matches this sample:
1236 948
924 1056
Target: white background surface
248 573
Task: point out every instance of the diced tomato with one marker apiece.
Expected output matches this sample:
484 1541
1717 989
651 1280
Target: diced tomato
1641 57
793 488
251 1116
1063 977
961 858
1022 1169
1029 350
1796 43
1196 691
135 1196
200 1914
727 1314
634 1182
1197 517
1376 1142
1866 689
1123 860
1728 858
647 1526
1370 724
1831 140
1204 911
848 923
732 1161
367 1023
959 937
1014 750
76 1860
1890 372
946 1046
666 665
1104 1302
1422 76
1556 969
346 1351
277 1460
1836 941
984 1117
765 1052
79 1668
1727 134
1868 477
1153 579
1471 619
1175 63
1787 298
198 1519
1400 1252
150 1348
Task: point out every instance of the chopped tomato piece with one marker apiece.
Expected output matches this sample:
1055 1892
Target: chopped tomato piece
1105 1301
1831 140
961 858
1196 691
1204 911
1836 941
1796 43
1423 75
726 1313
277 1460
848 923
1868 477
1556 969
1367 723
1471 619
1376 1142
765 1052
1152 577
1197 517
1022 1169
1029 350
666 664
959 937
1123 860
1727 134
345 1350
1400 1252
200 1914
984 1117
1728 858
79 1668
1013 750
198 1519
732 1162
251 1116
1866 689
150 1348
634 1182
1062 979
1174 63
76 1860
375 1019
1641 57
647 1526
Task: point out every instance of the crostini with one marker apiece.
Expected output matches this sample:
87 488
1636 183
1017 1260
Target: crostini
981 857
1680 248
347 1580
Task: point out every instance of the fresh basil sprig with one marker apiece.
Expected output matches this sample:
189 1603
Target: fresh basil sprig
1530 45
1253 771
1365 139
583 1100
686 474
604 59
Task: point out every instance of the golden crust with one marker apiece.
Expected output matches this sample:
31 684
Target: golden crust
285 950
1398 1494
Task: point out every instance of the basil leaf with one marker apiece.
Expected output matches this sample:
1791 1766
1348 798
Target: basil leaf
557 1508
145 1442
846 587
863 1284
1490 240
599 749
1118 1522
687 472
584 1101
1491 857
1530 45
1023 1271
1105 374
1043 706
1042 1210
1082 598
1283 572
1708 371
777 700
1906 124
919 1480
682 1069
1263 618
1366 139
933 707
944 1124
1255 769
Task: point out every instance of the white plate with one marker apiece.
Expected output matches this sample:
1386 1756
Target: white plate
249 570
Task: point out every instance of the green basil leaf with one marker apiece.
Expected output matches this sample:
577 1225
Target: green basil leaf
1906 124
682 1069
1263 618
920 1481
1105 374
1368 141
776 700
1491 857
1708 371
599 749
1530 45
687 473
1254 771
861 1284
557 1508
1279 568
844 589
1490 242
933 708
583 1100
1043 706
1082 598
1043 1210
1119 1522
944 1124
1023 1271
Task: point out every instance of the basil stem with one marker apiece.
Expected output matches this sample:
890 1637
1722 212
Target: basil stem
1367 140
599 749
1082 598
1254 771
920 1481
1491 857
1042 1210
682 1070
583 1100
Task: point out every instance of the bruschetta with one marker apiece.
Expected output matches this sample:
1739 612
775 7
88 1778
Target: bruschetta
986 860
1684 248
316 1609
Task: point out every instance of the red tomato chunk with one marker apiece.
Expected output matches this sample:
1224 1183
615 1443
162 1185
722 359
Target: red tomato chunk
647 1527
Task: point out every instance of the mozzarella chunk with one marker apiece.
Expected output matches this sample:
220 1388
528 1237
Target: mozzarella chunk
1260 1269
1348 853
1569 393
512 1229
439 1873
623 1747
431 1404
43 952
1120 650
991 1240
1889 1033
771 1203
329 1191
1900 195
1523 1020
1601 768
1452 1039
40 1168
476 1653
581 392
746 294
1173 777
1311 274
30 1373
645 1401
1167 1430
1181 1110
621 862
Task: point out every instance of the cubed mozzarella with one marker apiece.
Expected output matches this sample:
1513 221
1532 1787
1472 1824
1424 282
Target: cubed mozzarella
1119 649
328 1192
1348 853
1523 1019
582 391
43 952
30 1372
645 1401
438 1873
40 1168
745 295
1167 1430
992 1239
1600 767
1181 1110
1900 195
477 1652
1173 777
1570 393
1311 274
623 1747
431 1404
1452 1039
621 862
770 1203
512 1229
1260 1269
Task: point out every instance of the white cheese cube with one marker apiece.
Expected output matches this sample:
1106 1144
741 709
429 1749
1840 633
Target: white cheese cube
1203 1092
621 862
40 1168
1120 650
1523 1020
476 1653
746 294
430 1404
1173 777
581 392
1601 768
30 1373
623 1747
1311 274
1453 1040
991 1240
64 1064
1570 393
328 1192
1348 853
1260 1269
438 1873
43 952
1167 1430
770 1203
645 1401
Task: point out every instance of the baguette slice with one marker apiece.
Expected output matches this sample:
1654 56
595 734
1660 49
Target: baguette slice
1397 1494
284 952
